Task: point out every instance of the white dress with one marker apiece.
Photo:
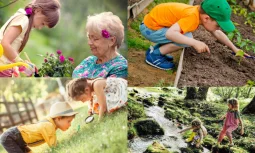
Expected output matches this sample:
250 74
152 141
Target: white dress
115 93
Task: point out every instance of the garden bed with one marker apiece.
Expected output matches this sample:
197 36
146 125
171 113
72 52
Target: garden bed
220 68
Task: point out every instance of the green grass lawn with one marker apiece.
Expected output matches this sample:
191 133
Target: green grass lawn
107 136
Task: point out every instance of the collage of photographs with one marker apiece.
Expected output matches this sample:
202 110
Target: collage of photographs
127 76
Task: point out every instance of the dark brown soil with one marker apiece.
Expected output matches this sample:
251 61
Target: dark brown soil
220 68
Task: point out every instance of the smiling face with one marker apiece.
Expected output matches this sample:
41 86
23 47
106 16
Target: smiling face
39 20
98 44
63 123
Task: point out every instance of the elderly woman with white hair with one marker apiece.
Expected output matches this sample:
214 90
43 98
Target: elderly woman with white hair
105 35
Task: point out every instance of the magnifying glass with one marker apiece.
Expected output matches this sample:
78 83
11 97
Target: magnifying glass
89 119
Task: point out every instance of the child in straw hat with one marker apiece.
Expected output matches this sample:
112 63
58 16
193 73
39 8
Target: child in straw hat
17 139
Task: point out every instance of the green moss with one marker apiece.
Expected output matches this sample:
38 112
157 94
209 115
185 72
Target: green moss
209 141
156 147
170 114
135 110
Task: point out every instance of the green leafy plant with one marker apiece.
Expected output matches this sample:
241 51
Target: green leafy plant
56 65
240 54
250 19
251 83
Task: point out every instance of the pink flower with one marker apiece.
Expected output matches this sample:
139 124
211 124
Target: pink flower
71 59
105 34
22 68
29 10
51 55
45 60
59 52
61 58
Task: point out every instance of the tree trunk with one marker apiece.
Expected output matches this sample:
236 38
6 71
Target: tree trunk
202 93
237 92
250 108
191 93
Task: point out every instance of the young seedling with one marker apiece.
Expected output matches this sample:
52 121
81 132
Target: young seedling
240 54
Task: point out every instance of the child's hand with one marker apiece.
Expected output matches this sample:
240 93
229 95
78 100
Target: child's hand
201 47
198 145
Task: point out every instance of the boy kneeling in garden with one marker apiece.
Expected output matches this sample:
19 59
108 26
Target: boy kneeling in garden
17 139
170 26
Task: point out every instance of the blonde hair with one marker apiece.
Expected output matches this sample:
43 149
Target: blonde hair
234 103
49 8
106 21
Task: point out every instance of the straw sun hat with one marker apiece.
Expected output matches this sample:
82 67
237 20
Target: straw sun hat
61 109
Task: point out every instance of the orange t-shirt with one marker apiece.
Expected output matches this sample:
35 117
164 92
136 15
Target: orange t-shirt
167 14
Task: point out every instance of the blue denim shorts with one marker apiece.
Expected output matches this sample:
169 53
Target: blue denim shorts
12 141
159 36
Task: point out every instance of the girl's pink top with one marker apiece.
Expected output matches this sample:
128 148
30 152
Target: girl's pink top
232 118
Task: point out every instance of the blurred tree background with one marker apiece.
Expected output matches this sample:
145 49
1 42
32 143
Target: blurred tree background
69 35
29 87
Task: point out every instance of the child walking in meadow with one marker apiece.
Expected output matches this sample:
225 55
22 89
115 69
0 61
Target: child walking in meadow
103 95
198 133
17 139
14 34
232 120
170 26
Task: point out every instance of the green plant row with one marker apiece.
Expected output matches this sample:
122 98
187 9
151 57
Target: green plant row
249 17
244 44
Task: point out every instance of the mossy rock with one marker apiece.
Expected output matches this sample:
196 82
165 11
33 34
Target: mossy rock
209 142
246 143
186 150
161 101
148 127
165 89
156 147
135 91
135 110
221 149
196 115
148 102
132 94
131 133
193 109
170 114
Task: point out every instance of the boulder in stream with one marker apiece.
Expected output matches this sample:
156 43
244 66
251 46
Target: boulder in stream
148 127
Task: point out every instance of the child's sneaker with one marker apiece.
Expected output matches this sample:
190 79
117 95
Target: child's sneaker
158 61
168 57
231 144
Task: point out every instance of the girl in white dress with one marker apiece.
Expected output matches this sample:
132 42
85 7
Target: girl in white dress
103 95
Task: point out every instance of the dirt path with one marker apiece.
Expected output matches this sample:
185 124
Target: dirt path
143 75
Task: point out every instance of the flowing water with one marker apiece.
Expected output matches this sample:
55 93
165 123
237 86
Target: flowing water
172 140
